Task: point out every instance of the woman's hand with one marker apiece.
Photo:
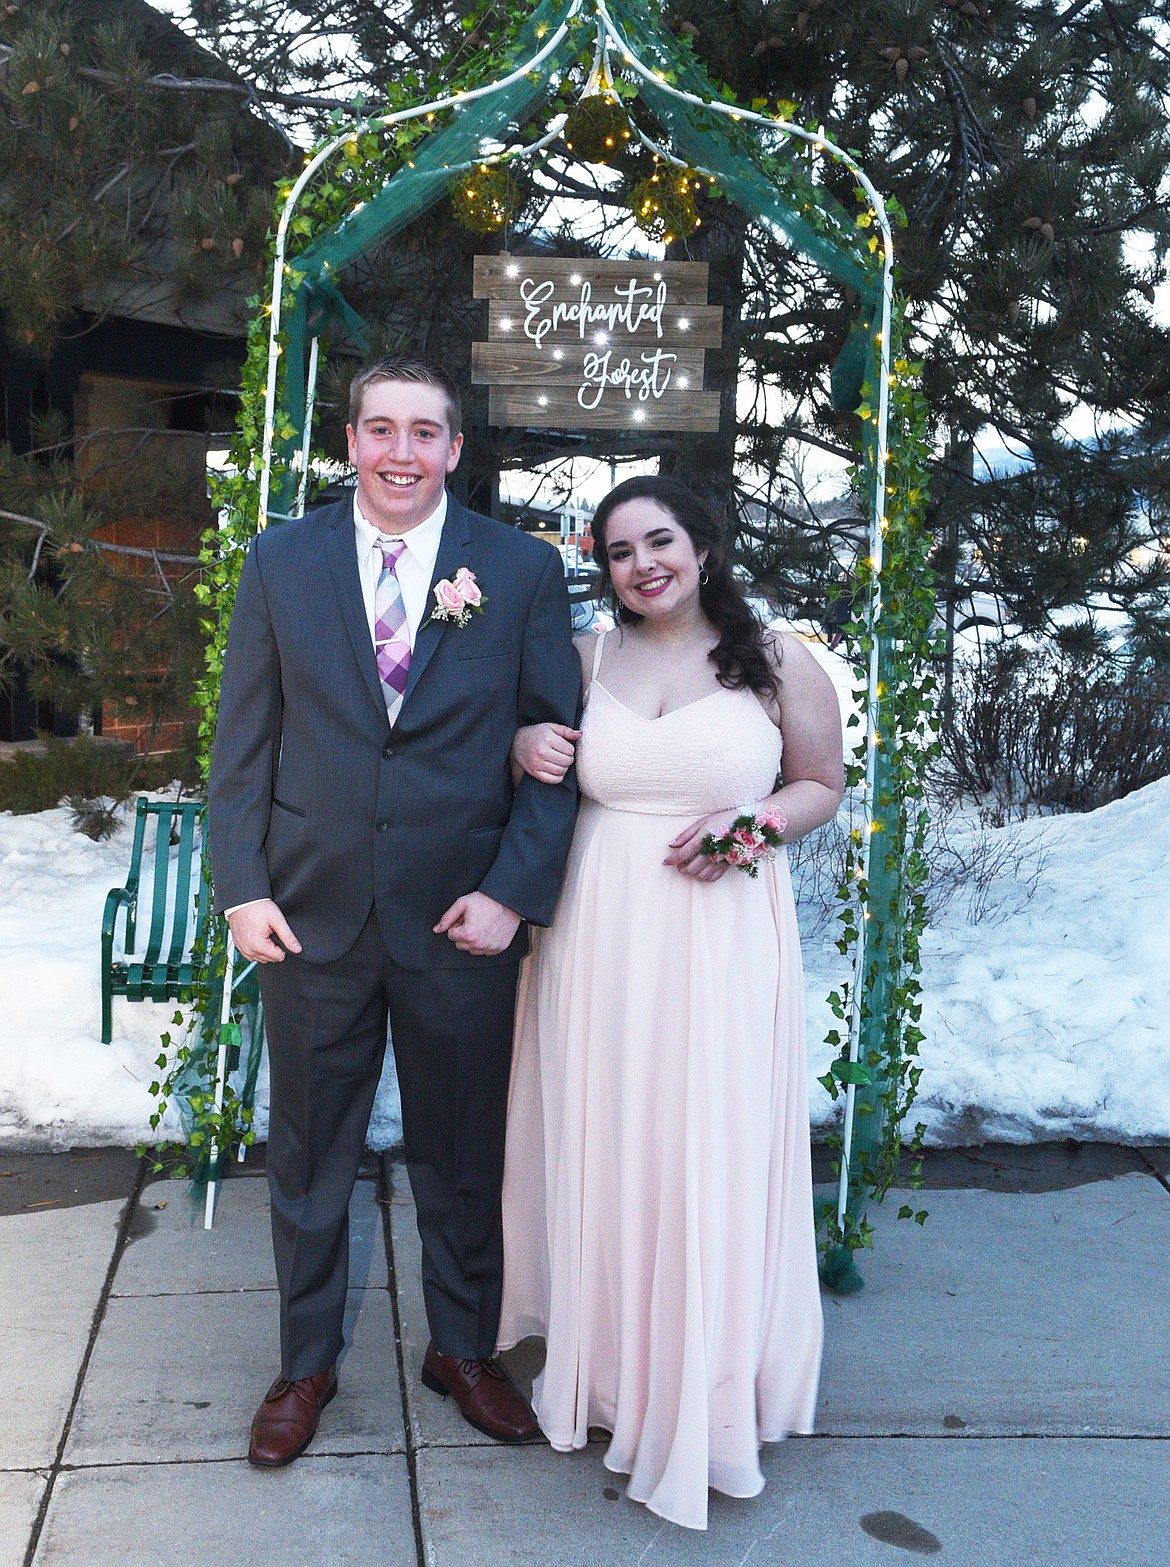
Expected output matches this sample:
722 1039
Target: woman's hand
686 855
544 751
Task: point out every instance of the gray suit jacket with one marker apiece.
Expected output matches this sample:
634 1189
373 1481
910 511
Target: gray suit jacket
315 803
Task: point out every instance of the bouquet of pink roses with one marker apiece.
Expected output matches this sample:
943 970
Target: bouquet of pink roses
749 841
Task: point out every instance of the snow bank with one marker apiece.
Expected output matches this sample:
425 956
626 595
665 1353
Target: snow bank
1051 1019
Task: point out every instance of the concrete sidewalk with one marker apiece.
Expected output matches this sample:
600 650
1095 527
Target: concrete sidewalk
997 1395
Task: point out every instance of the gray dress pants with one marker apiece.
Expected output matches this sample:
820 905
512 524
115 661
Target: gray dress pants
452 1040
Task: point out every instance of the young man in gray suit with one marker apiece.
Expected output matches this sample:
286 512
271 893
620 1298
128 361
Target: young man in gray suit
372 855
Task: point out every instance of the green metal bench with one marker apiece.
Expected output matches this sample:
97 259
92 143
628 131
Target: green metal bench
168 970
161 974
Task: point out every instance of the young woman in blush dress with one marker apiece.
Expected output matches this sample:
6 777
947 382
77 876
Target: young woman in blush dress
658 1207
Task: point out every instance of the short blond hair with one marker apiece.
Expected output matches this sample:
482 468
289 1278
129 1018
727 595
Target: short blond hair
406 367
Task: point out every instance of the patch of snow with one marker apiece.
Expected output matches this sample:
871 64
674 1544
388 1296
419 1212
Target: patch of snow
1053 1020
1050 1020
60 1087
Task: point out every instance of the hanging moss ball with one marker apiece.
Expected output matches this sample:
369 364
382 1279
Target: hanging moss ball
597 128
488 199
663 203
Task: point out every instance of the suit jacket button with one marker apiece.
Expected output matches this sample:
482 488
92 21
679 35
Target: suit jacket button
383 826
387 751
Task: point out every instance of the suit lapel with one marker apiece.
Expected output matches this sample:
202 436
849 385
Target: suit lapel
342 552
454 545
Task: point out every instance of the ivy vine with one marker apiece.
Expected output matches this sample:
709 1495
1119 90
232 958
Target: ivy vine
887 1073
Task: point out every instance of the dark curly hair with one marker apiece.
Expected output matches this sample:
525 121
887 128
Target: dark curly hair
742 656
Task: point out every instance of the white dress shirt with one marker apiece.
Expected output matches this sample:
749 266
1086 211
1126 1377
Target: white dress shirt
416 567
416 564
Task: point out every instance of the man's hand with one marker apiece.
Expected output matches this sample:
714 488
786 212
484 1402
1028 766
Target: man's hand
478 924
254 927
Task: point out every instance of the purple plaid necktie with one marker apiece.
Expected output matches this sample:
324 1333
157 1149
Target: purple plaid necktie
391 636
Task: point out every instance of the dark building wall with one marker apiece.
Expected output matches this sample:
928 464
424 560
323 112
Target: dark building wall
131 350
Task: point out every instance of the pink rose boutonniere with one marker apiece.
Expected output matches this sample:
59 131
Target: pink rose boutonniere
457 598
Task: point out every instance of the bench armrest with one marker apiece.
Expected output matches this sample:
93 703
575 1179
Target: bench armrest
116 898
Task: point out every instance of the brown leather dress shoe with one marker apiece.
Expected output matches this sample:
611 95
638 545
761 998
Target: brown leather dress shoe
483 1394
286 1421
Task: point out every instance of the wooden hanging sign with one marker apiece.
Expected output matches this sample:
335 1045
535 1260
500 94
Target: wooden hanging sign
602 345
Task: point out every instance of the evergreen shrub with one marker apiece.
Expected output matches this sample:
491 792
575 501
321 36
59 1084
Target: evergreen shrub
1043 729
94 778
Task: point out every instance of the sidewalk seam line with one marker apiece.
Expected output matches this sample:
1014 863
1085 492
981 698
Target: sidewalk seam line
218 1458
99 1315
247 1289
385 1193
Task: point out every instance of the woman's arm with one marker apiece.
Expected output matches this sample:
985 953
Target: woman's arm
545 751
812 769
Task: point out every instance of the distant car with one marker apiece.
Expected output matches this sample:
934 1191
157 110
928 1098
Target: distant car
589 616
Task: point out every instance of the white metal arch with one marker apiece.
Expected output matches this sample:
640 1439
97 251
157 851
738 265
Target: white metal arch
607 33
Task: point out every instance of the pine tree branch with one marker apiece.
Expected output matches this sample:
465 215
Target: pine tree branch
168 81
248 92
104 190
101 544
108 433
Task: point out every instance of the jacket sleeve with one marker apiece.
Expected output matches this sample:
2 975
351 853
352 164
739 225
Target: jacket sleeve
247 745
530 866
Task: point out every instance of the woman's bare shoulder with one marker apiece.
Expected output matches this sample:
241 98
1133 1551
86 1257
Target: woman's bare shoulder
586 645
800 672
788 651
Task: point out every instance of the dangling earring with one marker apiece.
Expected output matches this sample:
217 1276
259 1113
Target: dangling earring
704 576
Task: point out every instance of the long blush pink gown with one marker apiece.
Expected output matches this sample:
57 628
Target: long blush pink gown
658 1218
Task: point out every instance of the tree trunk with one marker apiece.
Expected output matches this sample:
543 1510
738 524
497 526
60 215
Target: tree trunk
706 463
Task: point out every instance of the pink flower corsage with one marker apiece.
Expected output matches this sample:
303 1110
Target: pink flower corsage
749 841
457 598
